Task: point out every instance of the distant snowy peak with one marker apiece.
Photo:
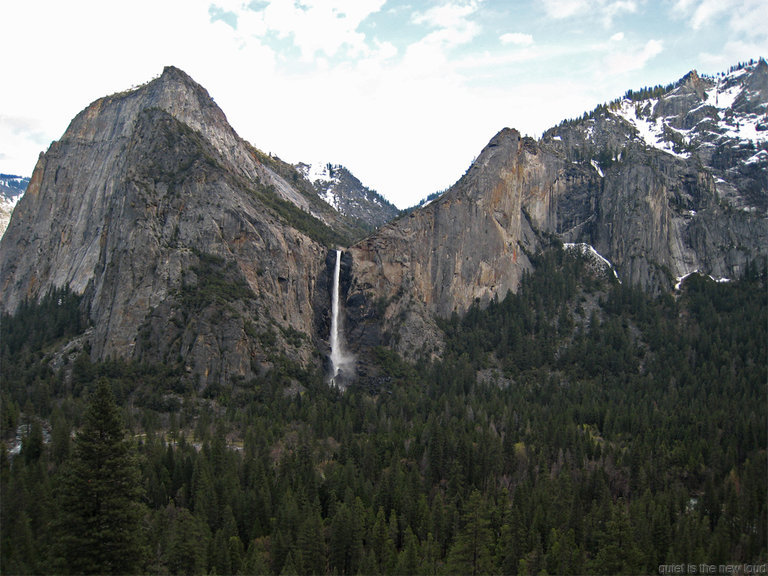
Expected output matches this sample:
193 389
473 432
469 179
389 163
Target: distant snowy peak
703 111
338 187
719 122
696 111
12 188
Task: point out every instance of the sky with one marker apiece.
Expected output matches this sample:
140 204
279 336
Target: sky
405 94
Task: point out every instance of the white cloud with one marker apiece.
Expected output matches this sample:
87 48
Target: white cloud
24 138
316 27
564 8
707 11
449 15
618 37
747 18
451 22
737 22
516 38
606 9
634 59
611 10
743 16
731 53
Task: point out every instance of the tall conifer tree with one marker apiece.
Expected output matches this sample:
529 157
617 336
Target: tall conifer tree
100 530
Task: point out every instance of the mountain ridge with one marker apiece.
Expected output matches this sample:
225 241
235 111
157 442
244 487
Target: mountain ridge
194 249
337 186
656 212
152 220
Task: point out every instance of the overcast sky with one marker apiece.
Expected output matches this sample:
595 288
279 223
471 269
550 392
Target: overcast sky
404 94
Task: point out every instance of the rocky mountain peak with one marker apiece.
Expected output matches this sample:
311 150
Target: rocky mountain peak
659 183
692 83
342 190
501 147
468 246
754 95
173 91
193 249
504 137
189 246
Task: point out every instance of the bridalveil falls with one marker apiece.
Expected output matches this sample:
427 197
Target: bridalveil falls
339 359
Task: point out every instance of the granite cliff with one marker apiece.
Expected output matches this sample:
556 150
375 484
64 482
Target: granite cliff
190 247
468 245
661 183
195 250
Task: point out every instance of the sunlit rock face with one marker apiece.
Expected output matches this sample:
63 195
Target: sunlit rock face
152 207
660 184
195 250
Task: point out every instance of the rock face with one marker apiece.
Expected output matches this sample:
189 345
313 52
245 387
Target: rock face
469 245
680 175
195 250
660 183
177 232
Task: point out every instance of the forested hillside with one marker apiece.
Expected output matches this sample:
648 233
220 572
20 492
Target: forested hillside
578 426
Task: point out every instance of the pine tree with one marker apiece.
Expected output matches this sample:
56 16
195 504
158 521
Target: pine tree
408 562
470 553
99 525
311 545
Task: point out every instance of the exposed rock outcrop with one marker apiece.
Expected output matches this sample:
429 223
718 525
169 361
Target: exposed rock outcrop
469 245
166 220
195 250
657 199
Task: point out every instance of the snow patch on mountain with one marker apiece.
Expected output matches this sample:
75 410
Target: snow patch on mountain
723 98
324 177
650 130
590 253
339 188
12 188
317 171
681 279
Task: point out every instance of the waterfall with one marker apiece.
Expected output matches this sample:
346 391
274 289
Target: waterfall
337 358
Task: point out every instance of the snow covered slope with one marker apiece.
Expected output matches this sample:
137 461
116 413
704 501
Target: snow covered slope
11 190
718 121
342 190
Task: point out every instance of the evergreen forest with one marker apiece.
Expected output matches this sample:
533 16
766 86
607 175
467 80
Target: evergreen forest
578 426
